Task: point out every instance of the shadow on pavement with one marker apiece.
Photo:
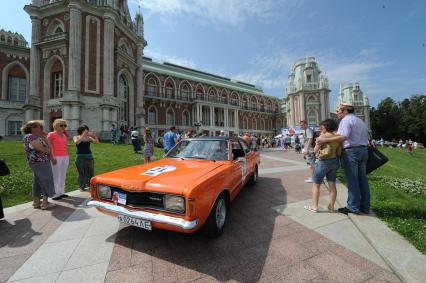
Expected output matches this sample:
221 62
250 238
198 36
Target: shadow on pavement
16 231
238 254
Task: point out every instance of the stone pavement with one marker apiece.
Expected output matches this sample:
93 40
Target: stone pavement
269 237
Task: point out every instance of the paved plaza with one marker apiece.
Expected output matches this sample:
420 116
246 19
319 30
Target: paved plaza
269 237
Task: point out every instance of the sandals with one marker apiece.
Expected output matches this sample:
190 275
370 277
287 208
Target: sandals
46 206
310 208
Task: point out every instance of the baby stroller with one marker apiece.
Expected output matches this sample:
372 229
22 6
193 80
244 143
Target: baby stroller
298 148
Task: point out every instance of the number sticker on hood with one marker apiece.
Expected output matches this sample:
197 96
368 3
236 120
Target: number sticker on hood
159 170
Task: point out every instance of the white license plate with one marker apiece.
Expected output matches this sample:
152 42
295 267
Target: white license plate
141 223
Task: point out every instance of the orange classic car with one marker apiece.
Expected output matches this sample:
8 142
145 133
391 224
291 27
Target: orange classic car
190 188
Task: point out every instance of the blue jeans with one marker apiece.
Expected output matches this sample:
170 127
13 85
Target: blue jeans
354 161
323 168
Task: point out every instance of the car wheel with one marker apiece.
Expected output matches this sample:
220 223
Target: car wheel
254 177
217 218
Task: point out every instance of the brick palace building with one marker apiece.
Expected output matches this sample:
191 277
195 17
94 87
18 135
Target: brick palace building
86 65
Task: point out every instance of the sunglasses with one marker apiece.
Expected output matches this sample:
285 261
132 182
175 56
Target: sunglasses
63 126
38 126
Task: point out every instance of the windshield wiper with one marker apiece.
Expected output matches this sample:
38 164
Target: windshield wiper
195 157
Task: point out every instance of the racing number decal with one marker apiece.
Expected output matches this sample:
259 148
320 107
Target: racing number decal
159 170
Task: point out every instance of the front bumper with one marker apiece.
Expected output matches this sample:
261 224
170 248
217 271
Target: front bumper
159 218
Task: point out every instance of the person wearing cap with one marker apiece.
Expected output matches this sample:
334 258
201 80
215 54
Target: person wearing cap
353 133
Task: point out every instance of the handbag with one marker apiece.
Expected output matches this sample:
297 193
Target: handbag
4 170
375 159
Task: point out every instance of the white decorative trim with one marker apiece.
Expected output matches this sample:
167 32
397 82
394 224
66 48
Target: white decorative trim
89 20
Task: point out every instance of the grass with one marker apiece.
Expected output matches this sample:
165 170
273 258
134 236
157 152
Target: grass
16 187
398 194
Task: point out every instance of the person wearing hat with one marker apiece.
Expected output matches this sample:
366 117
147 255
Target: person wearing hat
353 133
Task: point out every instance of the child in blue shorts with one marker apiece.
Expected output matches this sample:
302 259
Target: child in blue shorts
326 166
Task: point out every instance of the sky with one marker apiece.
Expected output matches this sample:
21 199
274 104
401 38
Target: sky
380 44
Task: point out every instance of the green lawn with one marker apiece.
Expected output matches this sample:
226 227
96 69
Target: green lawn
398 194
16 188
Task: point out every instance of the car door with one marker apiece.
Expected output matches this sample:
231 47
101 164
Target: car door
238 167
250 158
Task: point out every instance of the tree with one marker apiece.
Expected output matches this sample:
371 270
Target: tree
405 120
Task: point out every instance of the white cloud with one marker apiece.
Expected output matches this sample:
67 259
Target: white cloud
230 12
270 72
159 56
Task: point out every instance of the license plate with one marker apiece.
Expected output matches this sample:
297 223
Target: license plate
141 223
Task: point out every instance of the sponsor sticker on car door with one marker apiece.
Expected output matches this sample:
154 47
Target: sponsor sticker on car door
243 167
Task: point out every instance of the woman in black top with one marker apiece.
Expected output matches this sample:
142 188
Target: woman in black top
84 160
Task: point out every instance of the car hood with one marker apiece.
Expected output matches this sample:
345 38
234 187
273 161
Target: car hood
166 175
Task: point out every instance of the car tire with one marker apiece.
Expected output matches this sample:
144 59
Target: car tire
217 218
254 176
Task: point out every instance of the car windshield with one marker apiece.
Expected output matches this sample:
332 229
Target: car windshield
201 149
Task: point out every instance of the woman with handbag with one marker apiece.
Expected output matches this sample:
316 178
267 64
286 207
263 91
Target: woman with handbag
38 151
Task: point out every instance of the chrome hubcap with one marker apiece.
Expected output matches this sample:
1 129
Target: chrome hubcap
220 213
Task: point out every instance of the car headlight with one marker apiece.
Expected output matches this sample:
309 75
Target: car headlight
104 191
175 203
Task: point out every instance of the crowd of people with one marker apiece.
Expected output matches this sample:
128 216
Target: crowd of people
344 144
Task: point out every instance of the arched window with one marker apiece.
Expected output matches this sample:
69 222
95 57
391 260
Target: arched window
262 124
169 89
57 81
2 38
185 118
224 98
245 123
245 102
123 100
184 92
234 99
170 117
311 98
17 90
152 116
212 96
152 87
270 124
253 103
312 118
262 105
200 93
254 124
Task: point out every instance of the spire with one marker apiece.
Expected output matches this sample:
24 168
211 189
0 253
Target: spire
139 21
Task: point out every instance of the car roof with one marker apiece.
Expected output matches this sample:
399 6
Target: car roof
220 138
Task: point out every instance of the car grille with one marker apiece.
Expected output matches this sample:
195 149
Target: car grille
142 199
